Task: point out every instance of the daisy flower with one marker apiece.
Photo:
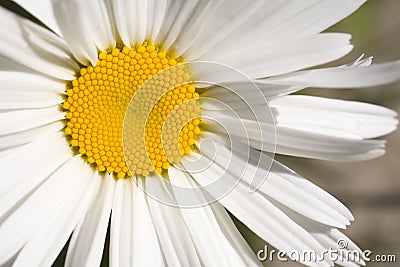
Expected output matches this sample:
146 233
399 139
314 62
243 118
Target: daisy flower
85 98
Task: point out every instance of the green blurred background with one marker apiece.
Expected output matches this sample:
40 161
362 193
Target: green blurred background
371 190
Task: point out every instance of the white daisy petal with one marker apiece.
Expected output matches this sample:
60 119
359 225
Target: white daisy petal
325 145
141 20
284 186
11 99
228 21
279 58
333 236
125 20
299 140
311 17
360 62
330 238
101 19
18 182
191 16
87 241
78 33
179 250
156 12
24 80
133 19
43 11
146 247
208 236
233 235
21 120
312 189
9 65
176 15
44 248
236 23
302 101
55 219
364 125
302 201
133 238
29 44
248 208
339 77
99 27
11 160
339 157
365 120
121 220
375 126
344 257
240 91
55 47
17 139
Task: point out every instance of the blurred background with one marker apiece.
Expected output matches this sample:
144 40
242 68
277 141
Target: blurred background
371 190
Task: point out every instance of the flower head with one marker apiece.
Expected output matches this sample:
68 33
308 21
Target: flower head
159 116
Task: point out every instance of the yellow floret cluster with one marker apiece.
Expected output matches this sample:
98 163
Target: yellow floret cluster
98 101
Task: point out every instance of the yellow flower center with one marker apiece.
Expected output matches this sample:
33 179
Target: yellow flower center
97 104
